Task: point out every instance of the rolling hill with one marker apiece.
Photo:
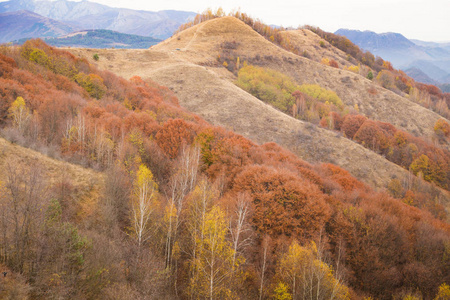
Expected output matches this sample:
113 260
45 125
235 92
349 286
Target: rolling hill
190 57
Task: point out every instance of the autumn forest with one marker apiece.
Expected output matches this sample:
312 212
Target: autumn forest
176 208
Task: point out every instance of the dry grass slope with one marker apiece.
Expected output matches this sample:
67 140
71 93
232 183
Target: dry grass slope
86 182
187 63
306 40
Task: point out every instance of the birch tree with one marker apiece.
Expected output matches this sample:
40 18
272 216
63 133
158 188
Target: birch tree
181 183
307 276
19 113
215 258
144 201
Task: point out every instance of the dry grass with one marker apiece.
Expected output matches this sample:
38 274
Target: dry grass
180 61
306 40
86 182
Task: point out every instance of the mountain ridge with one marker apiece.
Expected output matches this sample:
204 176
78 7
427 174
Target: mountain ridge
27 24
403 53
100 38
91 15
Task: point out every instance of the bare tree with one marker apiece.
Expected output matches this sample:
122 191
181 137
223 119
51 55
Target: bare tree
23 206
239 227
264 262
181 183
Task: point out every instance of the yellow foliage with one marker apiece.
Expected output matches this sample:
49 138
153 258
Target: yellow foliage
19 113
303 271
444 292
281 292
322 94
354 69
143 203
92 83
214 258
268 85
325 61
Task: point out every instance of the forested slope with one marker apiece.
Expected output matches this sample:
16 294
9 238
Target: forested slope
186 210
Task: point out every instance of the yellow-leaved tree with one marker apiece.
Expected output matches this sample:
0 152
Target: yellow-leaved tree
143 204
19 113
307 276
214 259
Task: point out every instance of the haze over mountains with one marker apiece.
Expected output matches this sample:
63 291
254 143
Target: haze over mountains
71 16
426 62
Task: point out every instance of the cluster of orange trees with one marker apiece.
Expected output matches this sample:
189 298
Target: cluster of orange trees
412 153
190 210
320 106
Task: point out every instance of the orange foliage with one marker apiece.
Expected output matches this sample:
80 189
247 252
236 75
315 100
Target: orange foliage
333 63
389 246
372 136
173 134
284 203
351 124
342 177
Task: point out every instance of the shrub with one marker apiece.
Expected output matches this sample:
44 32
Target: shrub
322 94
442 128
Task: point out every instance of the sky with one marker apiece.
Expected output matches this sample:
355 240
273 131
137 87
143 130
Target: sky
426 20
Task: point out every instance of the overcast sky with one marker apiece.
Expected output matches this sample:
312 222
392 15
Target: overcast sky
427 20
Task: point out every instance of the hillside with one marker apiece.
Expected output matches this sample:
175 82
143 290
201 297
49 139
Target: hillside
180 193
309 46
90 15
25 24
101 39
220 102
86 184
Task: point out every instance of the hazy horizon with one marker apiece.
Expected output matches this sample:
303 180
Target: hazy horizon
419 19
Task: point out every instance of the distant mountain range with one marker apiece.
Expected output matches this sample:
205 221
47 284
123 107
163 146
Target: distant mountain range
426 62
101 39
25 24
30 18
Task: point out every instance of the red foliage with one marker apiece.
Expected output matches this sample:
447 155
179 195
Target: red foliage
337 120
430 89
173 134
333 63
389 245
372 136
7 64
342 177
351 124
284 203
